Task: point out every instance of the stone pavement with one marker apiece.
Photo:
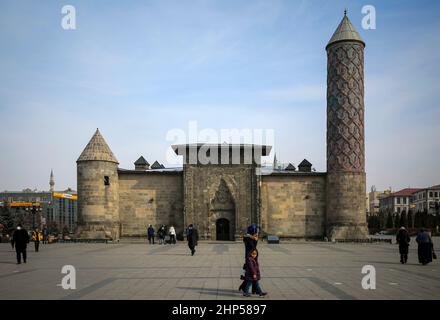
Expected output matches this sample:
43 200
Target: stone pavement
296 270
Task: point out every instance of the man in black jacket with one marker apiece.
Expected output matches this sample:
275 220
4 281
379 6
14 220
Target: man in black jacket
20 239
403 240
192 237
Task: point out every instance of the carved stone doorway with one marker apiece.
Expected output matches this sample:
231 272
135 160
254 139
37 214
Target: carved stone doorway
222 229
222 214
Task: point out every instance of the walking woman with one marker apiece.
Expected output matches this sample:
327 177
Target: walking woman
250 240
253 274
425 247
403 240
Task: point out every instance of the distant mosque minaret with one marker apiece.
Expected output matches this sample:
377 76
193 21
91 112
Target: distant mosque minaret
52 181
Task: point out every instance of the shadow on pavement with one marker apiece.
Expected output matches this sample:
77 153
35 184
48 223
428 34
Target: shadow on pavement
214 291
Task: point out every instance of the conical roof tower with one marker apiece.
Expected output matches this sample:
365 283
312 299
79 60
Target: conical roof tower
97 150
98 191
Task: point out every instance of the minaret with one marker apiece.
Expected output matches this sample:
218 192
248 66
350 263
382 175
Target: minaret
275 164
98 191
52 181
346 216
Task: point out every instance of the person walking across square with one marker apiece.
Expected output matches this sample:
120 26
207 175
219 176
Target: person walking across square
252 274
20 239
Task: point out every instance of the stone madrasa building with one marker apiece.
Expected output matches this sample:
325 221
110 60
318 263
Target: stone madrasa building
224 196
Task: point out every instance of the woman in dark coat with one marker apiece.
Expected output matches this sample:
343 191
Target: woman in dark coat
250 240
424 242
161 234
403 240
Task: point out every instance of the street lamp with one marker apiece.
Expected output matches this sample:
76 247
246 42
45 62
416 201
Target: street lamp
33 210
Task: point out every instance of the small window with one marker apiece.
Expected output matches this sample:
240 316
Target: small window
398 200
106 180
430 194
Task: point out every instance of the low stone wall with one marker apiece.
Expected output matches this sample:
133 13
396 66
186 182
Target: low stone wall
293 206
150 198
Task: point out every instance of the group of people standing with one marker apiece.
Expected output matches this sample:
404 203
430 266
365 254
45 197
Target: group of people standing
161 233
191 233
425 246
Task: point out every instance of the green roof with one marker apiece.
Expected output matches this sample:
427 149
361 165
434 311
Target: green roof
141 161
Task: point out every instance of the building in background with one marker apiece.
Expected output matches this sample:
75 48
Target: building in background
36 209
63 210
427 199
28 207
374 200
414 199
397 202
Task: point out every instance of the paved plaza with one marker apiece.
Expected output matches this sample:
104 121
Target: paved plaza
294 270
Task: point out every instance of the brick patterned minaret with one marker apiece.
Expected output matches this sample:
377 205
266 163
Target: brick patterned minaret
346 180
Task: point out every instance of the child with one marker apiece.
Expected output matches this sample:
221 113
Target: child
252 275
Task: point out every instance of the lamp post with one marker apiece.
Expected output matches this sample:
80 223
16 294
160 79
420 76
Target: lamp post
33 210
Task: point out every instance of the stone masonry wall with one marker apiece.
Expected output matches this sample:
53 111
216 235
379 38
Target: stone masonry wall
98 212
346 205
150 198
201 185
293 206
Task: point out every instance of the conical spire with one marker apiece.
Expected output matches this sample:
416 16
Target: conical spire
141 164
51 181
141 161
156 165
275 164
345 32
97 150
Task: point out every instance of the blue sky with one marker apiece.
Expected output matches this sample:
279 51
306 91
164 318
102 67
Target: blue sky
138 69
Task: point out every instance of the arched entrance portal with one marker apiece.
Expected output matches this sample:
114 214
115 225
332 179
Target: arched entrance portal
222 214
222 229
